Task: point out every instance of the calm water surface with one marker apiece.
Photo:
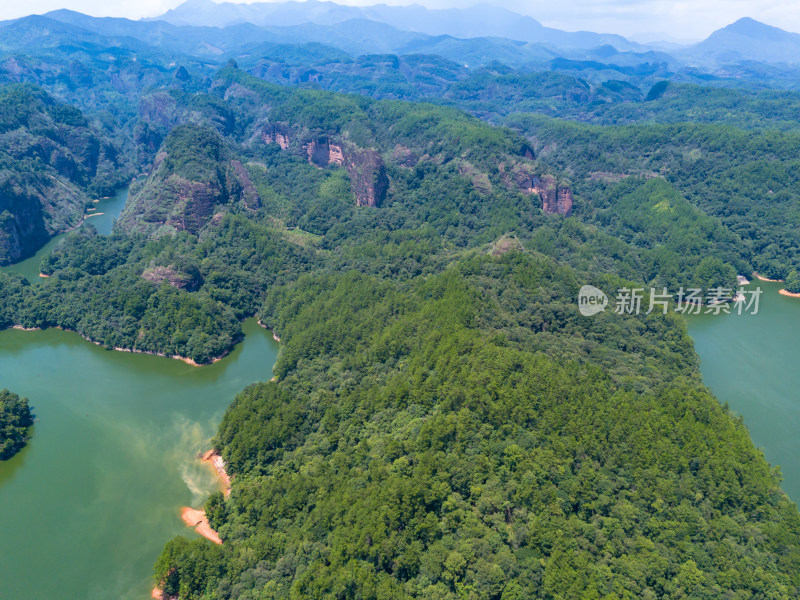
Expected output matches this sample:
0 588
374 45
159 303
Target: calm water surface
87 506
753 363
105 212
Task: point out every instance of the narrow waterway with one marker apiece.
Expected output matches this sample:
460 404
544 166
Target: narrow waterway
103 215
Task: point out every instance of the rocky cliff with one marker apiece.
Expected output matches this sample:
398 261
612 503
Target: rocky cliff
193 177
51 162
365 167
556 195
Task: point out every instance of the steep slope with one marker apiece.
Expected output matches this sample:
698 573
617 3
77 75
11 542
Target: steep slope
194 175
51 159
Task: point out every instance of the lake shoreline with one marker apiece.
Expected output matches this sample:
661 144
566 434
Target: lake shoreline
788 294
214 459
185 359
274 335
197 519
760 278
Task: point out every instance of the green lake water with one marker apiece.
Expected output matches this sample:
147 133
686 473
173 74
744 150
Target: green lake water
87 506
752 362
106 211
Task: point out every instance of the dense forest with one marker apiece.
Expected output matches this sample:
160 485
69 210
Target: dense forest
15 422
443 422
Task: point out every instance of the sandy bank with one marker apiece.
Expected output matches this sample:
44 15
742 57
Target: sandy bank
790 294
213 458
760 278
194 517
93 215
274 335
43 275
21 328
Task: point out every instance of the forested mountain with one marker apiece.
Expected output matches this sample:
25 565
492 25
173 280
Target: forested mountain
52 158
443 422
15 422
747 180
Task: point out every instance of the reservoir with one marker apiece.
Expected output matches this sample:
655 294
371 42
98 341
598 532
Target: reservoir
87 506
102 216
752 362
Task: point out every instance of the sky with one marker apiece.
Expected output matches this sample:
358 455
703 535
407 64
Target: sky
657 19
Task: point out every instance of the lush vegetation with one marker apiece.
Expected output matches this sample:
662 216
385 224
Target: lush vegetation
745 181
441 440
51 159
15 422
443 423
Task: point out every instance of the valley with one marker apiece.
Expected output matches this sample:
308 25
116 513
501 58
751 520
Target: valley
410 199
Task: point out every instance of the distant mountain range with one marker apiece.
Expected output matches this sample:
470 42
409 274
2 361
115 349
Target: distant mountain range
747 40
481 20
203 35
744 41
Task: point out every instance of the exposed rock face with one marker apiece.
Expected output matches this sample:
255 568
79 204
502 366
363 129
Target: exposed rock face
241 185
193 177
555 199
547 188
176 279
564 201
22 228
367 173
364 166
527 152
556 196
51 157
322 152
276 133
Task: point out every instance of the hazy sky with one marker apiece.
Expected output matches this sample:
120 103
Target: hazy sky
679 19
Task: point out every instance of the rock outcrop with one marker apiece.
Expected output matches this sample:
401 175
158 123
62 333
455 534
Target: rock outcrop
51 160
368 178
275 133
556 195
193 176
174 277
556 199
322 152
364 166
